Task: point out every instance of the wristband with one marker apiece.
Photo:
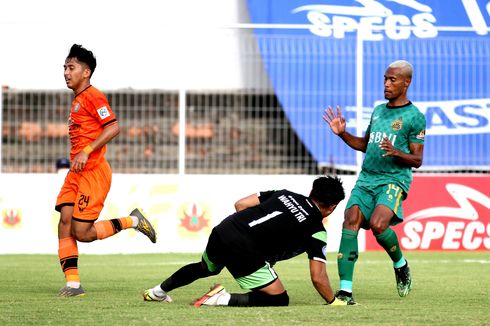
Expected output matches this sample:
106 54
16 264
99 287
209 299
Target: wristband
88 149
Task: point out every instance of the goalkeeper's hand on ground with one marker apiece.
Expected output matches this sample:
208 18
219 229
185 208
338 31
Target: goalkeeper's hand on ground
337 302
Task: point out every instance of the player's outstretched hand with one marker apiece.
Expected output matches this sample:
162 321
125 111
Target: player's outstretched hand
335 121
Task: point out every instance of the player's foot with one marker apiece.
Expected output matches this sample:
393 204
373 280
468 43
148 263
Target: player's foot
346 297
211 297
71 292
150 295
144 226
403 280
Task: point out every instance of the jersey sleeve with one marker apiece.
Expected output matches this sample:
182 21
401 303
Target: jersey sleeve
318 246
417 134
102 111
264 195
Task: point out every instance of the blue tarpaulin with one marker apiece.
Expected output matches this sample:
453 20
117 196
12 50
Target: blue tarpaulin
310 53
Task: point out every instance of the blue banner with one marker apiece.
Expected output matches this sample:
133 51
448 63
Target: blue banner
311 52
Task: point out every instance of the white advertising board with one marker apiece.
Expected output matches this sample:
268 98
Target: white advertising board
183 210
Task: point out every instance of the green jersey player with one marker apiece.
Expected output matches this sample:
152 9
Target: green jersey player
393 143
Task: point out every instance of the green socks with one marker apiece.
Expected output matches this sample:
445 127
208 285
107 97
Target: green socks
389 241
348 253
346 258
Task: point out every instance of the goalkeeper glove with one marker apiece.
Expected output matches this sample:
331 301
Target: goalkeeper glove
337 302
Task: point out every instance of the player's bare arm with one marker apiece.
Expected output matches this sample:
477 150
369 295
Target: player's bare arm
337 124
320 280
109 132
246 202
413 159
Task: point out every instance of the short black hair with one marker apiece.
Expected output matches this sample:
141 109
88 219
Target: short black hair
83 55
327 190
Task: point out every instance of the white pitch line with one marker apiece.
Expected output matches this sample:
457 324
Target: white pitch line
414 261
330 262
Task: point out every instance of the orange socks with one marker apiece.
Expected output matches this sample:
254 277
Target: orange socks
68 254
68 249
108 228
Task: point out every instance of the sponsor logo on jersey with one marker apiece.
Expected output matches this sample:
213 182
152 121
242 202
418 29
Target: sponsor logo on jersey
103 112
421 135
77 107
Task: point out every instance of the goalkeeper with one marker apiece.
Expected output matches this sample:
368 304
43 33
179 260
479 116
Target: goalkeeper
267 227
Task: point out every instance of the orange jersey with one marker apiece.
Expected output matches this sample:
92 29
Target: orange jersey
89 114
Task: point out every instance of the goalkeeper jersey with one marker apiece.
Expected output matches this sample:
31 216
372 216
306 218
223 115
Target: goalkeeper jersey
283 225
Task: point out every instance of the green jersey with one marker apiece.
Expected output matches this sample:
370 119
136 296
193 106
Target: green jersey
402 125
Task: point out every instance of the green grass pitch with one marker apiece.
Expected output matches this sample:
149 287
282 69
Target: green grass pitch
448 289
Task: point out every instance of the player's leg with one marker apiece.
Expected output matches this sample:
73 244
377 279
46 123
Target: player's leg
208 266
93 188
182 277
388 212
86 230
68 255
67 244
385 236
266 290
358 207
272 295
348 252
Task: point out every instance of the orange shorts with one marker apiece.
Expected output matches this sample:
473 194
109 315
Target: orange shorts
86 191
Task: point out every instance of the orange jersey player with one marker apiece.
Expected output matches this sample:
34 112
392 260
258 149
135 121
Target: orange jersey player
90 114
92 124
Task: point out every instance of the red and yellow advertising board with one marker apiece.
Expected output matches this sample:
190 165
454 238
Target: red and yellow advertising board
444 212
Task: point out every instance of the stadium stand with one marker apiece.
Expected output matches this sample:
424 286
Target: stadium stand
226 133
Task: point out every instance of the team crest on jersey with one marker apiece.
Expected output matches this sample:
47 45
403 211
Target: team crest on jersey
421 135
103 112
397 124
77 107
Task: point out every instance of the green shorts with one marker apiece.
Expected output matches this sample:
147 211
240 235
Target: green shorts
389 195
